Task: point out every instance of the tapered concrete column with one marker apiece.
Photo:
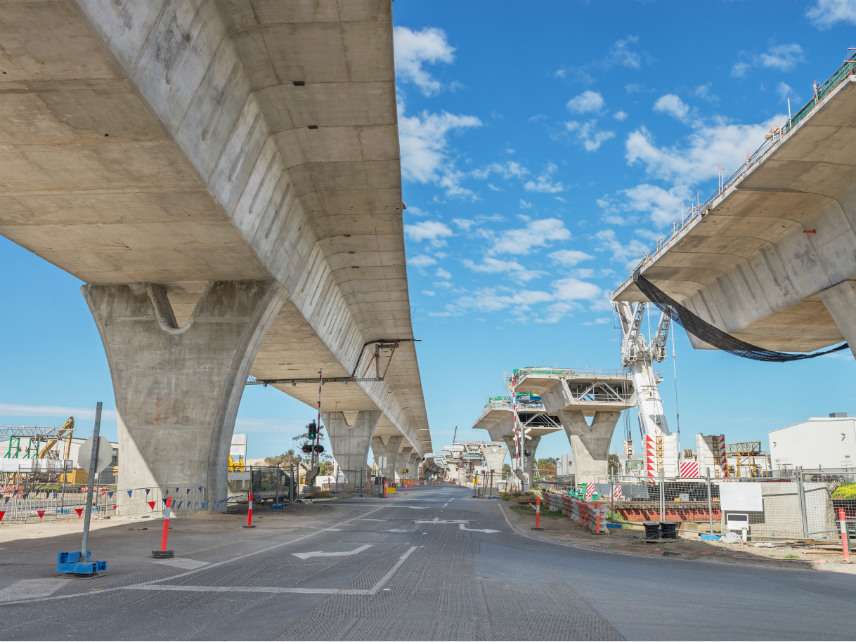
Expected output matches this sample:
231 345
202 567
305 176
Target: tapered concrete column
415 461
840 300
589 443
530 446
177 388
350 443
379 454
404 460
391 448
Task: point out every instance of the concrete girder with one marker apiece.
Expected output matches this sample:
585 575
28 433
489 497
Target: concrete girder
183 143
350 442
759 260
178 388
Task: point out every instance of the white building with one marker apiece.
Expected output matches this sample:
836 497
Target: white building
820 442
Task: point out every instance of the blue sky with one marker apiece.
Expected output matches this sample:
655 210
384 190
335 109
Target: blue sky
543 153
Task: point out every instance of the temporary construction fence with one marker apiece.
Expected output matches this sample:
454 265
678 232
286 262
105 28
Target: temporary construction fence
798 505
588 514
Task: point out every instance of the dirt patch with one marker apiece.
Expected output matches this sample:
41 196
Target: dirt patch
630 540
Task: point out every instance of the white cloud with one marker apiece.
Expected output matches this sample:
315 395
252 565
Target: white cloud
544 182
623 53
415 49
525 205
573 289
463 223
785 91
705 92
710 150
570 258
443 274
34 410
672 105
427 231
586 102
492 265
508 169
425 154
588 135
780 57
628 253
429 293
422 261
620 116
663 206
826 13
537 233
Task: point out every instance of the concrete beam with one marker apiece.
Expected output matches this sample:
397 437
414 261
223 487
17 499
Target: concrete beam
589 443
178 388
350 442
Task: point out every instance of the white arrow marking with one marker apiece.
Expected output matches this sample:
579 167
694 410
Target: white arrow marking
307 555
398 530
477 530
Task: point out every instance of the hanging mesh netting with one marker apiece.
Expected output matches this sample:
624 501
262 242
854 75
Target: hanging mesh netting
712 335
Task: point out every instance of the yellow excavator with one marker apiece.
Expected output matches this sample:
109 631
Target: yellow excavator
66 432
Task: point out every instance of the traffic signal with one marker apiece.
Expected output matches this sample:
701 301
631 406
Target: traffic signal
312 428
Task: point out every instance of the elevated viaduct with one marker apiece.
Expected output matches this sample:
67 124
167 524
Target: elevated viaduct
771 259
224 177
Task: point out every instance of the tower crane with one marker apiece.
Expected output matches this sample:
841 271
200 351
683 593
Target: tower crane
638 356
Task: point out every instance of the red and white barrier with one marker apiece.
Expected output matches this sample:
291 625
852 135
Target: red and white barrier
591 515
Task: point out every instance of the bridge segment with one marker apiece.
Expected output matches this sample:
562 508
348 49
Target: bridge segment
770 259
225 179
573 396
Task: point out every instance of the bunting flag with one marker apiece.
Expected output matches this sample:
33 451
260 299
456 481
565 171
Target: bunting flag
110 494
148 490
2 514
176 489
40 512
130 492
188 490
114 506
151 504
79 511
200 489
204 503
178 505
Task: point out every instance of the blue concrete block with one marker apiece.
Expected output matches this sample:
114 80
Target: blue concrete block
73 563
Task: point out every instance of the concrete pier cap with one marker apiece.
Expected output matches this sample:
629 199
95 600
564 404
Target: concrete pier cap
573 396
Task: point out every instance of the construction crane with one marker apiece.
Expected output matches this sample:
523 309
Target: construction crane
67 431
638 357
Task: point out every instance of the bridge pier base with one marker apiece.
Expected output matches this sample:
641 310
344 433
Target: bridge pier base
178 388
350 443
589 443
391 449
840 301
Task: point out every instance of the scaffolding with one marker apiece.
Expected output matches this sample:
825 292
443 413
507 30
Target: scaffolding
745 454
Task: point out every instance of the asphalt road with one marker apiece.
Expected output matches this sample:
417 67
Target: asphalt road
432 563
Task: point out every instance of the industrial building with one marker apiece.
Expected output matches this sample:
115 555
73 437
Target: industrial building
819 442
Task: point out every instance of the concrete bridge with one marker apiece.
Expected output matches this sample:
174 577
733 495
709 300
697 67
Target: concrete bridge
574 396
772 258
224 176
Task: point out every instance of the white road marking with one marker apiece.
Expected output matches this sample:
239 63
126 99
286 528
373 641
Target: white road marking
183 562
477 530
379 586
237 558
308 554
24 589
437 520
398 530
332 530
371 519
410 507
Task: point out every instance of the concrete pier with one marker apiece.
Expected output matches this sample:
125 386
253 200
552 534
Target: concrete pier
178 387
589 441
350 442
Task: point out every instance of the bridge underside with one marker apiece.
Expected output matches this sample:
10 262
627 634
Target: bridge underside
189 146
773 259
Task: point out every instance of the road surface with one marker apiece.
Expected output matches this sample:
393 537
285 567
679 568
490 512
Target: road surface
430 563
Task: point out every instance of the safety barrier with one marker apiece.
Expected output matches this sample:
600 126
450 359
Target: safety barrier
590 515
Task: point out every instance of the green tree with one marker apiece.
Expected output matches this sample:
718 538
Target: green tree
613 465
546 468
285 460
